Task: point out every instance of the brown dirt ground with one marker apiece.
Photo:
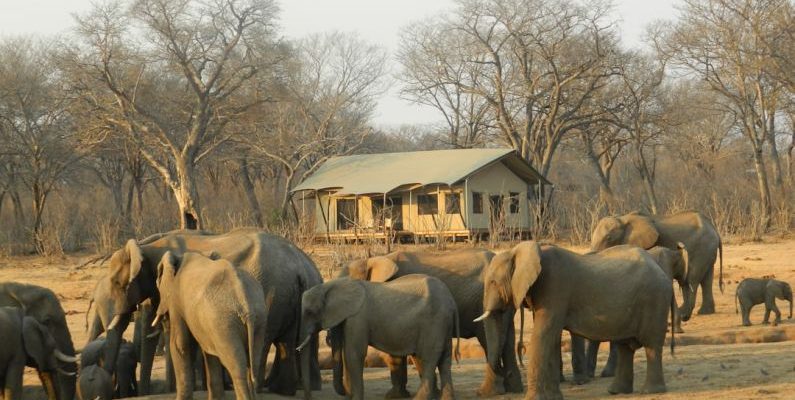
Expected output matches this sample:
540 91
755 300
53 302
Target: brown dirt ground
716 358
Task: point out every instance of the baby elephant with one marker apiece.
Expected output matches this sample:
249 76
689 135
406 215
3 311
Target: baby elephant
753 291
223 309
94 383
411 315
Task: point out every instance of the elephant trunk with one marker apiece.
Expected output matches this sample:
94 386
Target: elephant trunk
49 387
306 376
65 384
494 340
335 341
689 297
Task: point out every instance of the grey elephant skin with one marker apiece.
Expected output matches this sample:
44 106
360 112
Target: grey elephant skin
94 383
144 339
619 294
42 304
691 228
220 307
461 271
411 315
674 264
124 372
753 291
27 342
280 267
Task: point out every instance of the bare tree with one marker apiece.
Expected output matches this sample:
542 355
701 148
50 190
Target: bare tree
719 41
35 127
536 63
431 77
330 92
173 92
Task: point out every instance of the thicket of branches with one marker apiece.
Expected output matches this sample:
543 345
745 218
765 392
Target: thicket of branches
158 114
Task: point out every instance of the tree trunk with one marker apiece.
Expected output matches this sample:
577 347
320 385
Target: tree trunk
286 196
605 192
39 198
764 189
251 195
187 197
774 157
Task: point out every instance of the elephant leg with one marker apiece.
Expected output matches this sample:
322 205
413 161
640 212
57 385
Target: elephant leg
148 346
622 382
237 365
677 321
283 376
578 360
745 311
213 376
612 358
182 351
399 376
511 376
427 370
707 301
353 368
14 374
655 380
591 353
543 367
492 382
445 372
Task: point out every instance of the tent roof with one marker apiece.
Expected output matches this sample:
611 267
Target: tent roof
383 173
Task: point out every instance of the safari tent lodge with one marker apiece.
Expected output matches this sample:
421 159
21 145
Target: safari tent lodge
465 193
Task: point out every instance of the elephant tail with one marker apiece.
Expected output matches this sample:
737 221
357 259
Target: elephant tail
457 353
251 355
720 254
520 350
88 311
673 322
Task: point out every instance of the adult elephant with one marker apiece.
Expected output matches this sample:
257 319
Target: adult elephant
42 305
461 271
283 270
691 228
619 294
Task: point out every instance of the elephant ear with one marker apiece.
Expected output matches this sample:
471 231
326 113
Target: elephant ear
34 338
526 267
167 266
343 299
381 269
640 231
134 255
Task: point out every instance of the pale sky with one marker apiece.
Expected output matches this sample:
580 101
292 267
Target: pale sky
378 21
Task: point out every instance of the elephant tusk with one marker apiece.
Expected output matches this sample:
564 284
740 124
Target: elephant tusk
153 334
482 317
115 321
157 319
65 358
67 373
304 343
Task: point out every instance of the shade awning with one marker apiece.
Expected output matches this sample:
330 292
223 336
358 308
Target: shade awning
383 173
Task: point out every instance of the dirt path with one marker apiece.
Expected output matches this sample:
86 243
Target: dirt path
716 357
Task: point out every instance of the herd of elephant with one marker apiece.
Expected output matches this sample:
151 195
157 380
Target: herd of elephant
230 298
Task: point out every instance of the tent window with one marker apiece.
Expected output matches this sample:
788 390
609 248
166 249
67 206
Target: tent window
346 213
514 206
477 203
428 204
452 203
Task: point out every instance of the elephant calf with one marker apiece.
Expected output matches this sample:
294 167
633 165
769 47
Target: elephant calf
753 291
123 374
411 315
221 307
94 383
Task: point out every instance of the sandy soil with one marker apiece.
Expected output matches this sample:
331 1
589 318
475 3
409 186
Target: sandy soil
716 358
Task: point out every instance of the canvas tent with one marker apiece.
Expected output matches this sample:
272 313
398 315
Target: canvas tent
453 193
